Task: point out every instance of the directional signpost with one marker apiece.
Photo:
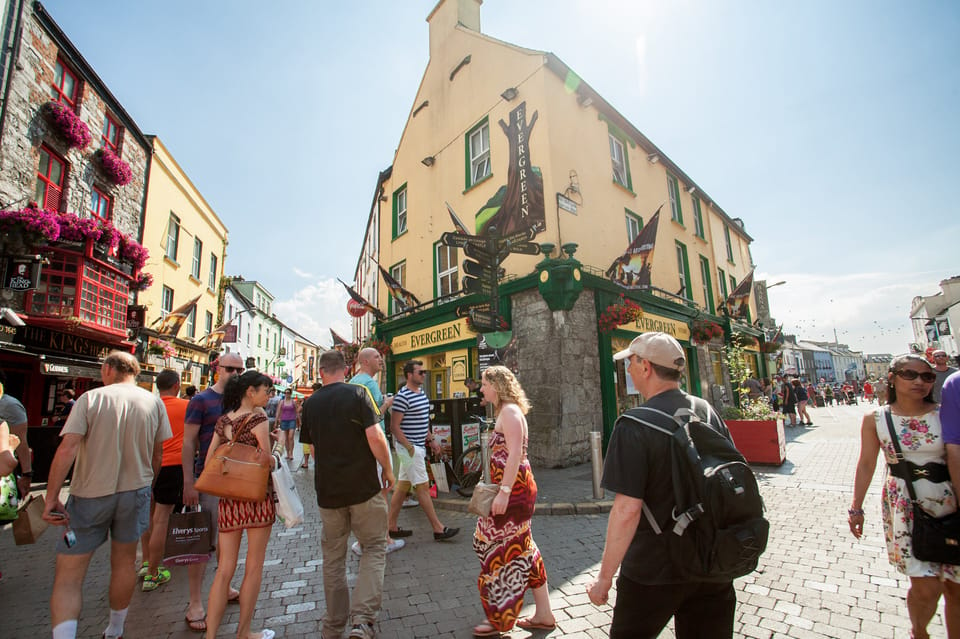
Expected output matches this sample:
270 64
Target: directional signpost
483 272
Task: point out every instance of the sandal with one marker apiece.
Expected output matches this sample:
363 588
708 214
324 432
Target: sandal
528 623
305 465
485 630
197 625
233 598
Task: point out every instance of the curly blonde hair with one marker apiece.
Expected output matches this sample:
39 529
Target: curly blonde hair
507 387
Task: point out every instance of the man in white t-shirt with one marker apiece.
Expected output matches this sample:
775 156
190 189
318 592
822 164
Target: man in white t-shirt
115 434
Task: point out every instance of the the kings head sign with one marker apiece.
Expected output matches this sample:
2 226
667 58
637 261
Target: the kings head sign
21 273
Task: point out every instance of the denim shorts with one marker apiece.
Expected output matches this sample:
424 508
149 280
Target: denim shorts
124 517
288 424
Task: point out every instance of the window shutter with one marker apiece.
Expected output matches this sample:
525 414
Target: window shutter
52 197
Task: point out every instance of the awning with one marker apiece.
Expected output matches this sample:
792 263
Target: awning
69 367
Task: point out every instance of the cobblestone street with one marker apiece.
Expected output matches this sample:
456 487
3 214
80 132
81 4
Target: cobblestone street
815 579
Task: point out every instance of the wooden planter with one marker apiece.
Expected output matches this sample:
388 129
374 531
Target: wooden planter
760 442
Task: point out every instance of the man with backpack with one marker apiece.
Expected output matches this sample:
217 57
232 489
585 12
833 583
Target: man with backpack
660 530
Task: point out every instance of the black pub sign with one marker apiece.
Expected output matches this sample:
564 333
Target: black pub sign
21 273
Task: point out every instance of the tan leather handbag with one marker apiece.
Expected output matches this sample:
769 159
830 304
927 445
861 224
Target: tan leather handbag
236 471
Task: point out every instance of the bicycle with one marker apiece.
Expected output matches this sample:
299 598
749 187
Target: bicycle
468 469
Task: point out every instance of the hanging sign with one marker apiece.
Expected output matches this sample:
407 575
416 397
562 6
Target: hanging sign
21 273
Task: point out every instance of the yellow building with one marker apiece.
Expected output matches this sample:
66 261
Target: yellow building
187 243
500 135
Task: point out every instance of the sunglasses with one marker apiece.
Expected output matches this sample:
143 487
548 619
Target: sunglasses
910 375
233 369
419 372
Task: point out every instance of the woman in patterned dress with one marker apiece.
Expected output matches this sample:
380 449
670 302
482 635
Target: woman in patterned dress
917 425
243 421
510 561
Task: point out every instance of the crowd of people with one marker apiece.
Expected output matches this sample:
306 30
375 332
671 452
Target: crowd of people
137 456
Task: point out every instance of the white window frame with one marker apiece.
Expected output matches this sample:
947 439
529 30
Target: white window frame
173 237
682 272
166 301
448 276
197 257
633 228
673 188
208 319
698 229
619 163
402 212
212 280
191 322
480 153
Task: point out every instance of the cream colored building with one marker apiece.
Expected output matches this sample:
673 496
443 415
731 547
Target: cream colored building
187 243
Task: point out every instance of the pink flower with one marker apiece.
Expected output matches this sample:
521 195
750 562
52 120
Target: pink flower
116 170
74 130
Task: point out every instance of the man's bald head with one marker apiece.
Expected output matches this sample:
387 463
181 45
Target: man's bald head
370 361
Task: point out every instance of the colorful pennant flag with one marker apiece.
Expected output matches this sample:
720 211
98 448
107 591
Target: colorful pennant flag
632 269
457 223
337 340
405 298
360 300
738 303
173 322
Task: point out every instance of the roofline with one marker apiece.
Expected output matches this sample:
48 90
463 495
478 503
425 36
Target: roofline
560 68
73 54
381 178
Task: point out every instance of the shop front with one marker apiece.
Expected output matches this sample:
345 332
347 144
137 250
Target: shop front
447 348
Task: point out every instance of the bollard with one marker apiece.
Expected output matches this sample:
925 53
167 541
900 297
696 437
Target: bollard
596 458
485 454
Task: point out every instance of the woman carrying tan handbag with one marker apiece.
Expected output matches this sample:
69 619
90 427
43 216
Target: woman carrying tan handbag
245 422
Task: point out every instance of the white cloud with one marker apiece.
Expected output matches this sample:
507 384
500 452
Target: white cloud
316 308
303 274
869 311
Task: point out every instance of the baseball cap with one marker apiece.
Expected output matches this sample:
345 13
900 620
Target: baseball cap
659 348
939 352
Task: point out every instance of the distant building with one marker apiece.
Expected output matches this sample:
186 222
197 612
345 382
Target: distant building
877 365
260 337
822 363
935 318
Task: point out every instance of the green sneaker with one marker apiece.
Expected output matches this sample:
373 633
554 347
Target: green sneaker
144 570
151 582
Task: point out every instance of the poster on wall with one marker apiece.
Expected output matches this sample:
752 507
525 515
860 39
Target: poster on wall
518 205
443 434
469 433
497 349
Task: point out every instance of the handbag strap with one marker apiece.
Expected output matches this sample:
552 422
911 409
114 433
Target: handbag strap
888 413
241 422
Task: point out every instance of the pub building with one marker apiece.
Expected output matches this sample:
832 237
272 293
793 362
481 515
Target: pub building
523 219
72 190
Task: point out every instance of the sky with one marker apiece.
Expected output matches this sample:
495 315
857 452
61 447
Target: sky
830 128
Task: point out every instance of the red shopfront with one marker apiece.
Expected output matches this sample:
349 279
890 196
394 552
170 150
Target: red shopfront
39 363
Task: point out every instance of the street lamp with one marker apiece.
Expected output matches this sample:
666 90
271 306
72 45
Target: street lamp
769 286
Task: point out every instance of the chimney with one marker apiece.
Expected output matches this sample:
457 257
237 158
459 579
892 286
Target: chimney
447 15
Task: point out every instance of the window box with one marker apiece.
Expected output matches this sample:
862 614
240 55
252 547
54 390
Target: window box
67 124
113 167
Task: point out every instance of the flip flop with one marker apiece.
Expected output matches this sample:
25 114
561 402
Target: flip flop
528 623
197 625
486 630
233 598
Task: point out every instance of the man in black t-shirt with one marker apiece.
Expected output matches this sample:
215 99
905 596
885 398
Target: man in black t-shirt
342 423
637 469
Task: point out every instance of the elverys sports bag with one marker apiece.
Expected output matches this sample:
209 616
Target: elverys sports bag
718 531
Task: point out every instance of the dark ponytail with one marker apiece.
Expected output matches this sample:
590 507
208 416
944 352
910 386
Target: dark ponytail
237 387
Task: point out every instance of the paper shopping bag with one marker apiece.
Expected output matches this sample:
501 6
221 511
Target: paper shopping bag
188 538
30 523
439 470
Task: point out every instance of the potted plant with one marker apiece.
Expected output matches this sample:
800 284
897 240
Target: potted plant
113 166
65 122
753 424
620 312
703 332
35 225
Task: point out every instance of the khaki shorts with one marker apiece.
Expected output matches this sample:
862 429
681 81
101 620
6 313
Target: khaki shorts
412 468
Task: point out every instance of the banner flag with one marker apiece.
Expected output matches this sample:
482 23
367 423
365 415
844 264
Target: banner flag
173 322
360 300
738 304
632 269
405 298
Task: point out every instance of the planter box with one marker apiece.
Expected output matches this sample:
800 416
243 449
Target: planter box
760 442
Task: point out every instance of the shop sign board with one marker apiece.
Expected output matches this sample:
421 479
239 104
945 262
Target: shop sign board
648 322
22 273
439 335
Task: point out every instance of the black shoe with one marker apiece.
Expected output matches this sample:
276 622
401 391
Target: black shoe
446 534
399 532
809 423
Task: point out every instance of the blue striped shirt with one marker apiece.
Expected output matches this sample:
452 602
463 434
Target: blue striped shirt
415 408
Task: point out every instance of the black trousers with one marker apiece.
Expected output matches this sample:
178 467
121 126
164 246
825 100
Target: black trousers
700 610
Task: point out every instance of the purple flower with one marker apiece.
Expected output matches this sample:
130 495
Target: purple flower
33 221
79 229
143 282
74 130
133 252
116 170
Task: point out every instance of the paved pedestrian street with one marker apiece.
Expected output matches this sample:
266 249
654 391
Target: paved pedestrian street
815 579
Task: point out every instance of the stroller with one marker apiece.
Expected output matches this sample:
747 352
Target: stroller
850 397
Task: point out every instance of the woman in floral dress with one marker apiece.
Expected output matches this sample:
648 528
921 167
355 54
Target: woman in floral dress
243 421
917 425
510 561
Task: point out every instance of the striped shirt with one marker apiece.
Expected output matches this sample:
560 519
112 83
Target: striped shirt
415 408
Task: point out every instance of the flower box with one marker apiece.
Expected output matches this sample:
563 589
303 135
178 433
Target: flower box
760 442
65 122
113 166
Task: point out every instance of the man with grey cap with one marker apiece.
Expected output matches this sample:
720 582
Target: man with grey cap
650 589
942 370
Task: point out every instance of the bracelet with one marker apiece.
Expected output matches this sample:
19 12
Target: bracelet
853 512
506 489
27 473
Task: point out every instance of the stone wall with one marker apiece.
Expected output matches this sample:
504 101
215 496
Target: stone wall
559 369
25 129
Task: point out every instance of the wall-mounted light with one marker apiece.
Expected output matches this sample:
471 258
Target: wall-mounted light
653 158
510 94
691 189
428 161
12 318
584 100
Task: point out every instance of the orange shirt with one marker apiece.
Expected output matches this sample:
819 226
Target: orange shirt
176 411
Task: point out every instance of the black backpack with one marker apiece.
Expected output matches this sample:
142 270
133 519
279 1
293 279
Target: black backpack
718 531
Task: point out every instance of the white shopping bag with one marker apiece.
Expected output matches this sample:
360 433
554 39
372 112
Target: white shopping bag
289 506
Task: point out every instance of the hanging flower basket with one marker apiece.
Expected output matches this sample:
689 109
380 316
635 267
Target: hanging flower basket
132 252
143 282
163 348
34 223
65 122
382 347
621 312
744 340
769 347
703 332
113 166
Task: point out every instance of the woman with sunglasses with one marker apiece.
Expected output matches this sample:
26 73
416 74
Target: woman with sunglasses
916 424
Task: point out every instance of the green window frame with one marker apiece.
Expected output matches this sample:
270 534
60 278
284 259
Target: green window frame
698 229
400 221
398 272
446 267
733 283
634 225
683 269
722 277
673 188
707 276
477 147
726 238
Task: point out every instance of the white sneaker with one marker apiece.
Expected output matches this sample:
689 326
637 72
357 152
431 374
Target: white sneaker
410 502
357 550
395 544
